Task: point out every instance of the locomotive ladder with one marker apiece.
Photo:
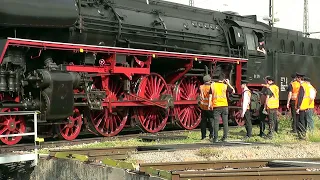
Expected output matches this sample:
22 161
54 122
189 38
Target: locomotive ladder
13 157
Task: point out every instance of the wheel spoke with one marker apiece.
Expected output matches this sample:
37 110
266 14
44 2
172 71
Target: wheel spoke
72 128
152 119
12 125
109 124
188 115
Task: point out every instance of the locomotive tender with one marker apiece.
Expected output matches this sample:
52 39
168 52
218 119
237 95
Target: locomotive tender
100 66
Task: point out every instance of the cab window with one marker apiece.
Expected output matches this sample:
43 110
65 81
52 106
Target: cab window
250 42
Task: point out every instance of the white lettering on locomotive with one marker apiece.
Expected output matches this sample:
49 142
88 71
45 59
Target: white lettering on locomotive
284 83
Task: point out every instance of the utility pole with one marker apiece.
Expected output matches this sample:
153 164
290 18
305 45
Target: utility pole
191 2
271 13
306 18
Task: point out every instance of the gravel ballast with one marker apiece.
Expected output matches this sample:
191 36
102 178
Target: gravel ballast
303 150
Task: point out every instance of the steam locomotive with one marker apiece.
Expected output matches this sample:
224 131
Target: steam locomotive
103 65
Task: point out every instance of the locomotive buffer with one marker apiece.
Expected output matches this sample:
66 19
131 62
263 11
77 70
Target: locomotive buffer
22 157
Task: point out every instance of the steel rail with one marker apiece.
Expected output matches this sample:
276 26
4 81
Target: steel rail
205 165
270 175
263 169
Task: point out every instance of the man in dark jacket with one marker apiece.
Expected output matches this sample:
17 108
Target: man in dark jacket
262 114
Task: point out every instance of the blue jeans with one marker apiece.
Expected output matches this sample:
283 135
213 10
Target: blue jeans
310 123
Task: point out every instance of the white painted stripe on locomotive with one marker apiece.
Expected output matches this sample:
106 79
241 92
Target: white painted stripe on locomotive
118 48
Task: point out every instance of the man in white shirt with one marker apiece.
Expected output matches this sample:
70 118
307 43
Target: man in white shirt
246 114
309 112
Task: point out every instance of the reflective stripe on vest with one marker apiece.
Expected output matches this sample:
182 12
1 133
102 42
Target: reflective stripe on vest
306 98
204 96
219 98
295 89
273 102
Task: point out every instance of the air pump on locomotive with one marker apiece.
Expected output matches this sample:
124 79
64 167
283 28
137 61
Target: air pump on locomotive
100 66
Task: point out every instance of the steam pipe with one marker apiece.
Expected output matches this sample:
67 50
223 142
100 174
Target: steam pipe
12 105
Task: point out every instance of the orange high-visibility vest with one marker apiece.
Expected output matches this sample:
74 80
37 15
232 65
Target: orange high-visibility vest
249 93
273 102
204 94
295 89
311 106
306 98
219 98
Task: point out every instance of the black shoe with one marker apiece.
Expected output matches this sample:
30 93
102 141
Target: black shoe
223 139
269 136
262 135
214 140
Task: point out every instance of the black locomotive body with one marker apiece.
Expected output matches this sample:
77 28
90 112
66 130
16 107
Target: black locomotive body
41 82
158 25
291 52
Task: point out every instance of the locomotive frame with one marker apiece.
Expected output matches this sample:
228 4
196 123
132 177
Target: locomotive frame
162 103
126 63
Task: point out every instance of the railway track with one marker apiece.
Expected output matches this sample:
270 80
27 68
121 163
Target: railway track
53 144
271 174
266 169
163 135
122 153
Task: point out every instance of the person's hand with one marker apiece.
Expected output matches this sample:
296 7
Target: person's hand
297 111
288 106
264 111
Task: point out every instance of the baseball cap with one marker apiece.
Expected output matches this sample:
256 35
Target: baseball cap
206 78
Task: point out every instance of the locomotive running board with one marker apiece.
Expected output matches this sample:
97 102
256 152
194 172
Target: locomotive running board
81 48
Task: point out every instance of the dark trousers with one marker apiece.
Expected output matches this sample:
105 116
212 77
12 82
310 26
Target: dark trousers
293 115
272 121
301 128
262 119
206 121
247 117
310 122
223 113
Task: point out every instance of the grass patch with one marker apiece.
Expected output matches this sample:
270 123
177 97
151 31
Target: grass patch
208 152
235 133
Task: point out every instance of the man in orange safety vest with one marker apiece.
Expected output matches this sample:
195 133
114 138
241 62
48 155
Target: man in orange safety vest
309 113
206 113
219 103
293 90
272 105
302 105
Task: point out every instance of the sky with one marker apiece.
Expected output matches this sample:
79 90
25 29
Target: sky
289 12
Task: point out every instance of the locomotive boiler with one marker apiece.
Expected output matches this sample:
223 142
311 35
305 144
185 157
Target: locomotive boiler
103 65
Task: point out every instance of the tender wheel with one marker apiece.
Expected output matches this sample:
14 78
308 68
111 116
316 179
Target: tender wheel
72 129
11 124
105 122
188 116
152 118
